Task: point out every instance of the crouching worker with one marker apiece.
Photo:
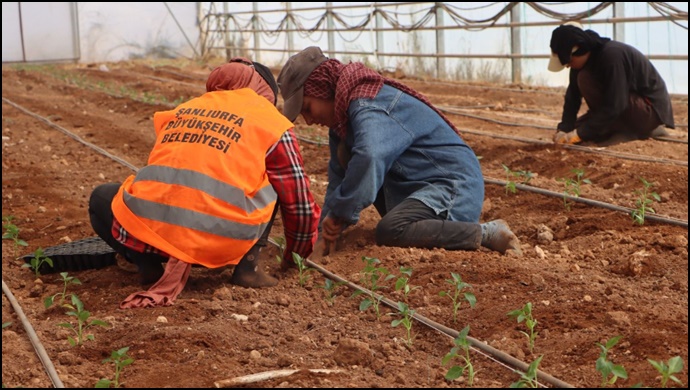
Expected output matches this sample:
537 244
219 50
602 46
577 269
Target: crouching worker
390 147
222 165
626 97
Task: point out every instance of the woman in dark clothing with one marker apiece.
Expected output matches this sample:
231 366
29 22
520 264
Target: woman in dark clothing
626 97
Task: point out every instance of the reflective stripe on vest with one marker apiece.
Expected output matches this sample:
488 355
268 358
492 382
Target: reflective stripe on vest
216 188
192 219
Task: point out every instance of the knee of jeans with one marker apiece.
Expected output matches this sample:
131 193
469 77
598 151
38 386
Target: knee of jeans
387 233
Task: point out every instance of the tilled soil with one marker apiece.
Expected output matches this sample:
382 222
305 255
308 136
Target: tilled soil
588 271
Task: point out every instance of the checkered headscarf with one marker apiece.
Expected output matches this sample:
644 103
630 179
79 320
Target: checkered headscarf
345 83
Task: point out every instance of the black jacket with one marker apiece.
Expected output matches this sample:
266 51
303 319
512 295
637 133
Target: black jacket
621 69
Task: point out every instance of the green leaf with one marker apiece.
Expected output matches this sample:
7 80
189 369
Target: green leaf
469 297
103 384
673 378
675 365
395 323
126 362
620 372
48 302
99 323
455 372
658 365
612 341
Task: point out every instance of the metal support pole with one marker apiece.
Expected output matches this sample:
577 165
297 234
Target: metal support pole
257 35
379 38
290 27
515 44
226 34
440 44
618 28
330 25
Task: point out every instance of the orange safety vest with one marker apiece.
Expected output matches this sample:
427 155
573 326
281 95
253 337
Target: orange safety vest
204 196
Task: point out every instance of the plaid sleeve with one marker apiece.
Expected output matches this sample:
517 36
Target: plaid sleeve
123 237
299 212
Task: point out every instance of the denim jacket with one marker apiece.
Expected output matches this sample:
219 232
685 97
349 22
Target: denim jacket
400 146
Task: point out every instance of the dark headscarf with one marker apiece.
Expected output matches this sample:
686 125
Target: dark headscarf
565 37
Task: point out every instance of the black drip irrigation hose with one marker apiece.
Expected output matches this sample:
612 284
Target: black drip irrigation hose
478 345
35 342
590 202
481 347
70 134
488 181
515 124
626 156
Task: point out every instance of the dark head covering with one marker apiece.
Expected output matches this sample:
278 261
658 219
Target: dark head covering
571 40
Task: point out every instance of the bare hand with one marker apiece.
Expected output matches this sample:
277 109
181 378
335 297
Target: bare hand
331 229
569 138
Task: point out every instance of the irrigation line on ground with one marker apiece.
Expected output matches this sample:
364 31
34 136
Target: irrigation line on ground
516 124
497 354
485 349
70 134
586 149
35 342
489 181
590 202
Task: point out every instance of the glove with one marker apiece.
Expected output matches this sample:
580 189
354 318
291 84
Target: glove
569 138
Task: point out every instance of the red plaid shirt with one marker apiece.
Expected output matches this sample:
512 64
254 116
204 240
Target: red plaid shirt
300 214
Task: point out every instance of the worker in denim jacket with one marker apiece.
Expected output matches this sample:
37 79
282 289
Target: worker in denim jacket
392 148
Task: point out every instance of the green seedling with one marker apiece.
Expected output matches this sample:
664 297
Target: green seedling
302 268
6 324
37 261
606 367
66 280
512 176
644 202
462 345
454 296
280 241
330 288
406 320
12 233
371 275
525 314
529 378
83 322
402 284
120 359
667 369
573 186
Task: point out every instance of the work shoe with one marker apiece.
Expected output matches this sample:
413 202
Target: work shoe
497 236
660 131
249 274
